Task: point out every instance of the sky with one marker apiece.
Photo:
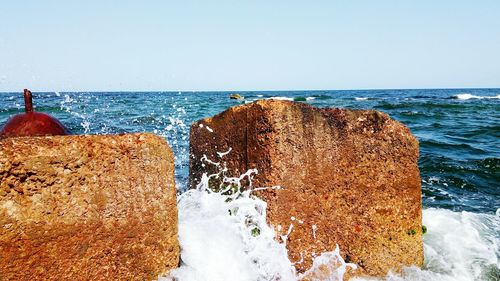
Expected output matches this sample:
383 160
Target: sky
248 45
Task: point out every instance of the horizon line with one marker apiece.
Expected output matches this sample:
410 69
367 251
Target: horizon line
235 91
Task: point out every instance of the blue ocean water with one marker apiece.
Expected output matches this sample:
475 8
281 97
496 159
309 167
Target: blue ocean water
458 130
459 134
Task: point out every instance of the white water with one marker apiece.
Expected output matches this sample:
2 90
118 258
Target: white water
224 236
280 98
459 246
219 246
470 96
219 242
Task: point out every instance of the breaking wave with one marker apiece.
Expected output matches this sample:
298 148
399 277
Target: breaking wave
459 246
467 96
219 246
360 98
281 98
224 236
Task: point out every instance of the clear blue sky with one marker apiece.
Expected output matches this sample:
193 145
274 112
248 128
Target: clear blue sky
248 45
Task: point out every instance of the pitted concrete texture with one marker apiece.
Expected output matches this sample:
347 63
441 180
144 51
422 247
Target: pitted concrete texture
87 208
348 177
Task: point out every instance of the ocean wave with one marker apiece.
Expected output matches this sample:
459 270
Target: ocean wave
418 105
361 98
281 98
304 98
467 96
322 97
423 97
459 246
224 234
413 113
455 147
217 227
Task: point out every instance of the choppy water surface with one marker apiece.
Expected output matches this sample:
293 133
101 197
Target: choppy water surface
458 130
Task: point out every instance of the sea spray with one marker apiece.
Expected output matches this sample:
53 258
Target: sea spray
329 266
224 235
67 105
462 245
476 185
458 246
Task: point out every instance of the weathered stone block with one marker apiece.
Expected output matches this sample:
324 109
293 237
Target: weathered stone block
347 177
87 208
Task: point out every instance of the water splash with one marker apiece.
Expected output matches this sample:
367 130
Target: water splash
167 116
329 266
68 105
224 235
115 113
459 246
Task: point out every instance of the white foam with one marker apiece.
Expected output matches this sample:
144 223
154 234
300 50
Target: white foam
68 99
224 236
332 266
310 98
459 246
219 245
280 98
467 96
360 98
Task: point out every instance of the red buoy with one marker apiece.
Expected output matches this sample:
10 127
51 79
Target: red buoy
32 123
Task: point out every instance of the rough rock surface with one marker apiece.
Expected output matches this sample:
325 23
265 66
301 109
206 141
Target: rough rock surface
347 177
87 208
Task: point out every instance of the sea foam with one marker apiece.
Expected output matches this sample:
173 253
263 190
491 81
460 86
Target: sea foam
215 245
281 98
467 96
459 246
224 236
220 242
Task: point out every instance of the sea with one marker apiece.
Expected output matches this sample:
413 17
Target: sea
459 135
